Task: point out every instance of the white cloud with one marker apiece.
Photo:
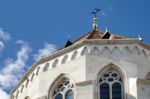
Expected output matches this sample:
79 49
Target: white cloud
13 68
4 35
47 50
1 46
107 11
3 94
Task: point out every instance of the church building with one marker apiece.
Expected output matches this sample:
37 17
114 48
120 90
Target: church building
98 65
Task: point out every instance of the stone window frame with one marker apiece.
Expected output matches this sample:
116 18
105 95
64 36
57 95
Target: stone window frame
110 80
65 86
56 83
112 67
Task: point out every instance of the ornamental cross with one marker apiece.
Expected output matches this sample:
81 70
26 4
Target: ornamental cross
95 20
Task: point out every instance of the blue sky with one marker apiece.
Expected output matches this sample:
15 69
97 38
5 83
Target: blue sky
31 28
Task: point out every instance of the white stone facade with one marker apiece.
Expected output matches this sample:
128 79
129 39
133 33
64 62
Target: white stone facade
83 64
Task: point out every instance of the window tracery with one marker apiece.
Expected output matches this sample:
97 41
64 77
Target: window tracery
64 90
111 85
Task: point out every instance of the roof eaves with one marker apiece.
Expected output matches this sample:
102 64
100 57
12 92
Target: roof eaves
76 45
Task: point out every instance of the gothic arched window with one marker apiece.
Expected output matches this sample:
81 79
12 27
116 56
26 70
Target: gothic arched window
64 90
111 85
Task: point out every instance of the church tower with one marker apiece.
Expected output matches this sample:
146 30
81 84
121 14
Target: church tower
98 65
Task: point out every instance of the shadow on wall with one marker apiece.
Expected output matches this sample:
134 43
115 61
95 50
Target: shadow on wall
130 97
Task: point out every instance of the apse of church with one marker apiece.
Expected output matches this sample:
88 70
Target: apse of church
98 65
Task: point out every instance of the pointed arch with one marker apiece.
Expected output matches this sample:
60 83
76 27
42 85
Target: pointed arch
55 63
46 67
115 77
27 83
74 55
17 95
136 50
116 49
37 71
143 52
95 51
84 51
112 66
105 50
126 50
61 86
22 88
32 77
64 60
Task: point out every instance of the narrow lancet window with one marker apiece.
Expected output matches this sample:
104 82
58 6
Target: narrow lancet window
104 91
59 96
69 95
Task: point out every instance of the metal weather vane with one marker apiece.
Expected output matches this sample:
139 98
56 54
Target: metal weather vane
95 19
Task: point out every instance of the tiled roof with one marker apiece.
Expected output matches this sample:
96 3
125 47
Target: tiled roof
97 34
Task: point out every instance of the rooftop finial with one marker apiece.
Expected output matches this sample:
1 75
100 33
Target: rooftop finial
106 30
140 38
95 20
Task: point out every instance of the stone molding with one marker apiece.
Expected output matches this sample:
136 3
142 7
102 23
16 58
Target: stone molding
81 48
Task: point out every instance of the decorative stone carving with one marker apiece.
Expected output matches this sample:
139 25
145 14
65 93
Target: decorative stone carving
74 55
84 51
95 51
55 63
64 60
